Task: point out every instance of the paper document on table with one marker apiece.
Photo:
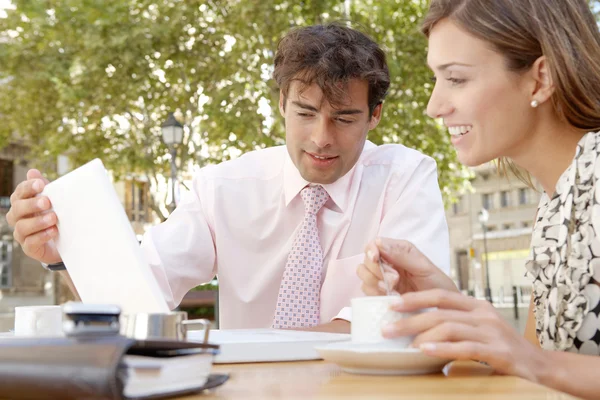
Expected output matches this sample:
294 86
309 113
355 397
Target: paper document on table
259 345
98 245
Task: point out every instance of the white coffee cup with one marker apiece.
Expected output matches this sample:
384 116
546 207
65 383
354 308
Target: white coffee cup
370 314
38 321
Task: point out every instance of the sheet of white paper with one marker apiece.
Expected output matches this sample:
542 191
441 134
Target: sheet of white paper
223 336
98 245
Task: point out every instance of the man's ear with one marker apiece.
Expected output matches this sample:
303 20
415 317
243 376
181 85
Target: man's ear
376 116
282 100
543 86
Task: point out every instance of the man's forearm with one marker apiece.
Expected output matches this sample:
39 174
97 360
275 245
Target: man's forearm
571 373
335 326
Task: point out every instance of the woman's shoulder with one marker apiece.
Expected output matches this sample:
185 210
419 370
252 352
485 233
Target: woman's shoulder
588 147
585 170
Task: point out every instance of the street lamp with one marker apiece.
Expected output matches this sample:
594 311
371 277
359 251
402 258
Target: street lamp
172 134
483 217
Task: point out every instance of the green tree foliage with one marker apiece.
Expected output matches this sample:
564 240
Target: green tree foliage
96 78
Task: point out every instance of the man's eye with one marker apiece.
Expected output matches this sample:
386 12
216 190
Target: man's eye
344 121
304 115
433 79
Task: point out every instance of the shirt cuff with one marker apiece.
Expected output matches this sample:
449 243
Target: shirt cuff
345 314
54 267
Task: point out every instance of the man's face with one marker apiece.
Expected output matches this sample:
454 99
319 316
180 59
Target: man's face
325 142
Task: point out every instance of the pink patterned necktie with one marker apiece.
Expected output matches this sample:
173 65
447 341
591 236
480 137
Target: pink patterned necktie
298 303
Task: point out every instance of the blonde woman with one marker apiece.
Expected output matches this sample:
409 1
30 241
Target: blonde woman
518 81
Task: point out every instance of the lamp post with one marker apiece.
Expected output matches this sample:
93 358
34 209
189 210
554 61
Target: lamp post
484 216
172 134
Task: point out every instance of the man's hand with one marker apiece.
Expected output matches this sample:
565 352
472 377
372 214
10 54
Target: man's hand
34 225
335 326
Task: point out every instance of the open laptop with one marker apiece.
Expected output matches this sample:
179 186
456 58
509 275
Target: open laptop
98 245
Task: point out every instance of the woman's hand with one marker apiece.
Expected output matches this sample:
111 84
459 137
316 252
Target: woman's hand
464 328
410 270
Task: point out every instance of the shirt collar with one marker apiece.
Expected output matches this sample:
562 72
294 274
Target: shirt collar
338 191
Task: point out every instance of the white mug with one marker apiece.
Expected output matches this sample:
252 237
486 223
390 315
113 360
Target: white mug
370 314
38 321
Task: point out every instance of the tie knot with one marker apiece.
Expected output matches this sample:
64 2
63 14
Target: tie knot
314 198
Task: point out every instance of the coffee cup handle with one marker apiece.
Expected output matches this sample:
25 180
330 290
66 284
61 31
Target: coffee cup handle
202 322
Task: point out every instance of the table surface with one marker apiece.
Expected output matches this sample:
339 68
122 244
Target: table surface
321 380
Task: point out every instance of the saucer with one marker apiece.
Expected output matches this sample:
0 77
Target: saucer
370 359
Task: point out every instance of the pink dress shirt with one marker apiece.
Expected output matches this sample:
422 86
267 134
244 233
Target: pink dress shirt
240 218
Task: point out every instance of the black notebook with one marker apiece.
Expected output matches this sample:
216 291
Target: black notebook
111 367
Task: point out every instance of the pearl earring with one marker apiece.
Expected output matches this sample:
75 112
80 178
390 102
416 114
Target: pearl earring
535 103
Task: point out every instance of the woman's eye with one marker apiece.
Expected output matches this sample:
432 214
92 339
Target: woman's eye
456 81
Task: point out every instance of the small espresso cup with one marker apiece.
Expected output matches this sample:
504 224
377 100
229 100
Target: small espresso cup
41 321
370 314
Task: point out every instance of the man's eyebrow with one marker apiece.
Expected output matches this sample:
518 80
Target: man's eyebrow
305 106
308 107
348 112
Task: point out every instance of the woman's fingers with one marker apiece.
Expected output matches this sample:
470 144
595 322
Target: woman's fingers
464 350
451 331
403 255
372 260
371 283
429 320
440 298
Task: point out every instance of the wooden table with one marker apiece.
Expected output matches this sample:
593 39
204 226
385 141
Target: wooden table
320 380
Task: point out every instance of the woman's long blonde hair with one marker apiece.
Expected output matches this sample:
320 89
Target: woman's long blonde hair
564 31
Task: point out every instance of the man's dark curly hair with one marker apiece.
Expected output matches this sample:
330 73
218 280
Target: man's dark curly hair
330 56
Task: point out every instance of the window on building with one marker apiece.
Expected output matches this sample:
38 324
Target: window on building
504 199
5 264
6 183
526 224
524 196
507 227
136 199
457 207
492 228
487 201
462 266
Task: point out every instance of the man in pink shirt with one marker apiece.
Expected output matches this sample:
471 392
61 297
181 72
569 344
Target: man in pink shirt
284 228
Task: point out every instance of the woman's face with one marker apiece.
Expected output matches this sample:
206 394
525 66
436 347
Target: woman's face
485 107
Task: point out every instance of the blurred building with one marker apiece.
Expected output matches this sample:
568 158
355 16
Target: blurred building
511 206
22 280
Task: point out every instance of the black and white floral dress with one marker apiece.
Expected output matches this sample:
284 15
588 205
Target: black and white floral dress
564 262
